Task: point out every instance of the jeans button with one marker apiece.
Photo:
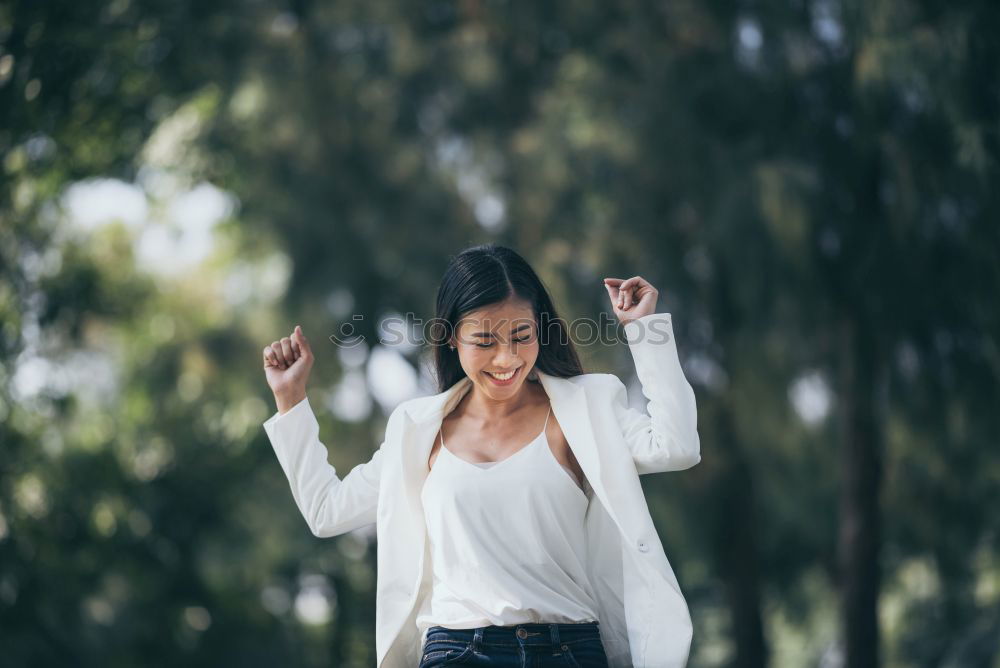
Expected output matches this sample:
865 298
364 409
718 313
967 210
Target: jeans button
522 633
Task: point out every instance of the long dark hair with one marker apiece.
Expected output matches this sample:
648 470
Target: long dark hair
489 274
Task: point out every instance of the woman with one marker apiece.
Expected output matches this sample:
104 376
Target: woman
511 523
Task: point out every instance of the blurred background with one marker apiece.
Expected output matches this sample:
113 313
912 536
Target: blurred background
809 184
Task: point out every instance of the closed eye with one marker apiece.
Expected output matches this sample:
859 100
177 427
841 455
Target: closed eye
487 345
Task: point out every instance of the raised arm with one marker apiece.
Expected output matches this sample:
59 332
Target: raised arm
330 506
665 438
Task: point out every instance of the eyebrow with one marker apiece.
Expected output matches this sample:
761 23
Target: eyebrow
485 335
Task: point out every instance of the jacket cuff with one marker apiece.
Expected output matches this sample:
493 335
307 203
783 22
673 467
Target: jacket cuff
278 416
655 328
654 351
292 422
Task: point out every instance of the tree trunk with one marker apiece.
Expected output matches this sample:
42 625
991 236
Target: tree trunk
738 550
861 472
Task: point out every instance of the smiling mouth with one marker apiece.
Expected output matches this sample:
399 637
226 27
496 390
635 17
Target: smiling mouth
504 377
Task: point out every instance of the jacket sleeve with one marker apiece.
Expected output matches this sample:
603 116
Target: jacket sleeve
665 439
330 506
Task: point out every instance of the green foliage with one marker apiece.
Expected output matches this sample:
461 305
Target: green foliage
775 169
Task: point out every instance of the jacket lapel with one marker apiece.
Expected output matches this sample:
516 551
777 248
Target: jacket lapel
421 424
569 405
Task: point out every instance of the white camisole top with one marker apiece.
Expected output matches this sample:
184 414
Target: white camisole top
507 541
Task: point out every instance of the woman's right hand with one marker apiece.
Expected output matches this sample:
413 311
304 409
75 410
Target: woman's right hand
287 363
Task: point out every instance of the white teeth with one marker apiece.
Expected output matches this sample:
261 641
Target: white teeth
503 376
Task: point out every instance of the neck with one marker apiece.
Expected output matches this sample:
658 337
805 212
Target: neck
489 410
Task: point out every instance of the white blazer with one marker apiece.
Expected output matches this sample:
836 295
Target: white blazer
644 618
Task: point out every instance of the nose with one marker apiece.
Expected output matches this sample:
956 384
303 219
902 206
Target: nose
505 357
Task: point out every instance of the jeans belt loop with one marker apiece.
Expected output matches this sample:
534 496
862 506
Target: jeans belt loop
556 643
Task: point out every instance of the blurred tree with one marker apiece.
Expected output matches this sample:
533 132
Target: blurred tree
807 184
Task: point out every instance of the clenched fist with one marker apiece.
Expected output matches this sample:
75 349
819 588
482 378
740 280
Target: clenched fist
631 298
287 363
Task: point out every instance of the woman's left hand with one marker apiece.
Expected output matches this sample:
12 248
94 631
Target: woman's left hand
631 298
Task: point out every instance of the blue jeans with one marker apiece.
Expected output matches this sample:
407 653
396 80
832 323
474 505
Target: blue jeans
521 646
